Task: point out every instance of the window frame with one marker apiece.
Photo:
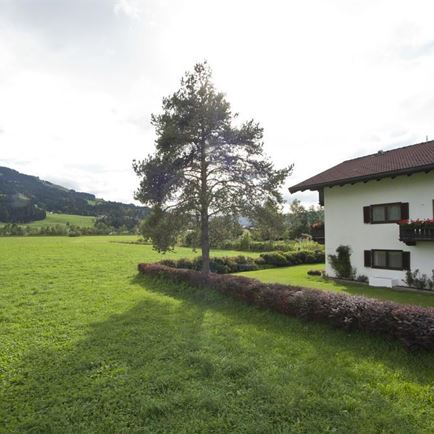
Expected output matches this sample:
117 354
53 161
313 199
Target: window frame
387 267
385 205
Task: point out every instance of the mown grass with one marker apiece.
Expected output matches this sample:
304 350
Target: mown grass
298 276
61 219
88 346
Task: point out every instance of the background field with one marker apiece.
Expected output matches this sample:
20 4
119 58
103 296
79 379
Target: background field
88 346
61 219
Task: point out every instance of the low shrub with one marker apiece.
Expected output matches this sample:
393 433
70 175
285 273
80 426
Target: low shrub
226 265
412 325
419 281
362 278
245 241
184 263
341 263
275 258
221 265
169 263
314 273
245 244
285 259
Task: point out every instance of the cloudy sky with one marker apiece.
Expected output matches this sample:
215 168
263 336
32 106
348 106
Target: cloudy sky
328 80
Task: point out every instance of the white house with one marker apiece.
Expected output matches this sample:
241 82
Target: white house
371 204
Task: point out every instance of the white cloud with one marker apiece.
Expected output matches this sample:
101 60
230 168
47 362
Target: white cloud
328 80
128 7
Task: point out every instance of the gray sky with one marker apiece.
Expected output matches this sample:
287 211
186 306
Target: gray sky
329 80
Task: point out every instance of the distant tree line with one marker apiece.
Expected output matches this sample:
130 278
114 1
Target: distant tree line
299 219
13 229
266 228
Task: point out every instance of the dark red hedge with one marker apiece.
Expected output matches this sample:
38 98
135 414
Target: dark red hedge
412 325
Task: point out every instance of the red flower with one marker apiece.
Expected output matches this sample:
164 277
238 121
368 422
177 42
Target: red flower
418 223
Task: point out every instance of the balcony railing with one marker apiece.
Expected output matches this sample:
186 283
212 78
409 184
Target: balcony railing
410 235
318 234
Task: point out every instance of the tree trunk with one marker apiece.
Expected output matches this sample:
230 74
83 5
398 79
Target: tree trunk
205 243
204 228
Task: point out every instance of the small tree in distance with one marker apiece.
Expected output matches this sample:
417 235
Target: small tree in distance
269 222
204 165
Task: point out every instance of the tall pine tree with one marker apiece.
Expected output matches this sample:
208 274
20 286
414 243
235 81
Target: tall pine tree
204 164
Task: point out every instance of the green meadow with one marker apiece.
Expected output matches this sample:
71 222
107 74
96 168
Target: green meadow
63 219
53 219
88 346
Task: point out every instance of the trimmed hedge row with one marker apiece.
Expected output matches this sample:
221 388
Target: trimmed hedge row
412 325
225 265
269 246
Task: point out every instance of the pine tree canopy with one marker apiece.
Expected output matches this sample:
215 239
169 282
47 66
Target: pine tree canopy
205 164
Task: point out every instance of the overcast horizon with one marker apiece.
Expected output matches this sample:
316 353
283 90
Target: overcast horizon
328 80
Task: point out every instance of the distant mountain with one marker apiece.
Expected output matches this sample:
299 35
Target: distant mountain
25 198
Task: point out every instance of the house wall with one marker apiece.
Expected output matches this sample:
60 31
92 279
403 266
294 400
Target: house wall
344 221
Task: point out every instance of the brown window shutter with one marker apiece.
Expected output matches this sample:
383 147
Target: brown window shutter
368 258
406 260
405 211
366 214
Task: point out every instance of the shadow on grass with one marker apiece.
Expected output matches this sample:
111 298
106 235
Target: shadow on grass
191 360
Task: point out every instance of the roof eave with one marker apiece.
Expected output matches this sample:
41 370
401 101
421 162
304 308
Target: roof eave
319 186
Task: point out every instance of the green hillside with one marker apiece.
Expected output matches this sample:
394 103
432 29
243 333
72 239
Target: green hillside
25 198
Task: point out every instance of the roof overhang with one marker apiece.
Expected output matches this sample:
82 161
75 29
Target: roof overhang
303 186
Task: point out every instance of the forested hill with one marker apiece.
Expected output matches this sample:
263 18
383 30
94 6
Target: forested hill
24 198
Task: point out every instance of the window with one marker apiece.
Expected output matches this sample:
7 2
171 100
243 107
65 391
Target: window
378 213
387 259
386 213
393 212
395 260
380 259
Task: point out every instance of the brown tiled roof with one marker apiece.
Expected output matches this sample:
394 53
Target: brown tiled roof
410 159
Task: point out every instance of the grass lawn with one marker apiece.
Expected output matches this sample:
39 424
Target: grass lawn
86 345
298 276
61 219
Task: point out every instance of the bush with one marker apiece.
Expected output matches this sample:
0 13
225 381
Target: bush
362 278
418 281
285 259
184 263
223 265
270 246
226 265
245 241
276 258
409 280
341 263
412 325
314 273
248 267
169 263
